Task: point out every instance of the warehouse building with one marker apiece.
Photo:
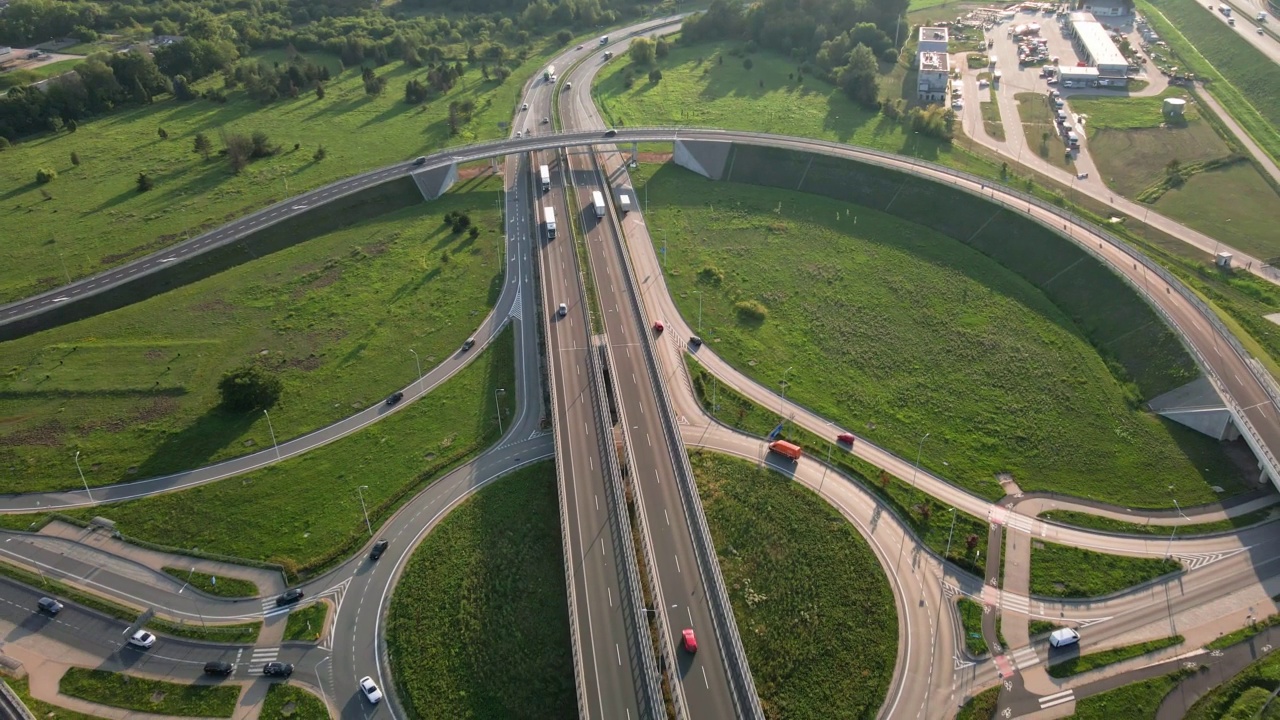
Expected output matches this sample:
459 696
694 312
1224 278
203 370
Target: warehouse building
1094 42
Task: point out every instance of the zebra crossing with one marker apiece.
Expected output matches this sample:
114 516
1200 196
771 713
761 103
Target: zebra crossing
1005 600
1058 698
1001 515
270 609
1024 658
260 657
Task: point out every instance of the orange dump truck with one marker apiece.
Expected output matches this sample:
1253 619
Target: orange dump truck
782 447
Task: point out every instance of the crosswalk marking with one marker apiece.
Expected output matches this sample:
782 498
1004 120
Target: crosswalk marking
1048 701
262 656
1004 666
1015 603
1001 515
1025 658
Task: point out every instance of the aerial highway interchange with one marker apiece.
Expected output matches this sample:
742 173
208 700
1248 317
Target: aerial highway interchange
615 361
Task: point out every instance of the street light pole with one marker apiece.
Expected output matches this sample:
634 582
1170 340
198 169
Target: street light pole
946 554
86 482
499 407
824 469
364 509
417 362
699 293
917 467
782 407
273 434
1169 547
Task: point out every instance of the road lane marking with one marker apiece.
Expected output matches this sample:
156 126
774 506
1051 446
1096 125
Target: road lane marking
677 557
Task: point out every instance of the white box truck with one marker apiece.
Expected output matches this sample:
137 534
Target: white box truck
549 215
550 74
597 201
624 203
545 172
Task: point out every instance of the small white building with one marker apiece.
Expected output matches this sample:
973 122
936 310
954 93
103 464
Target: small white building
933 39
1094 42
933 65
1078 77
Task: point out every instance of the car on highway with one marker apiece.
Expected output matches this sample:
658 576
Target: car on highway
658 327
370 690
689 641
395 397
845 438
695 341
470 343
288 597
545 120
524 106
49 605
517 133
1063 637
142 639
568 86
217 667
610 132
378 548
562 310
1261 31
277 669
420 161
578 48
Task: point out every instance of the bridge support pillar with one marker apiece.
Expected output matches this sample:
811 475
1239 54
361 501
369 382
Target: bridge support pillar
436 181
708 159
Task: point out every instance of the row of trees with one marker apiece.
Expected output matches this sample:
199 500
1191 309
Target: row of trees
99 84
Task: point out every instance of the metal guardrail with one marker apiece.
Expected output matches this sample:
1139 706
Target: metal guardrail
743 690
651 690
11 706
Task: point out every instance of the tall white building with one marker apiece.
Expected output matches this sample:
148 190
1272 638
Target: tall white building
933 65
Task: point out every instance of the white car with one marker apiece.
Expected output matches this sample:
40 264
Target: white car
370 690
142 639
517 133
524 106
563 310
1064 637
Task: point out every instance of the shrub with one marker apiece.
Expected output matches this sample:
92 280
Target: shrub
751 311
145 182
711 274
46 175
249 388
890 55
747 64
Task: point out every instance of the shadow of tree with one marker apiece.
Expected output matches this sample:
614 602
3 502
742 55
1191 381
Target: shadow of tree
194 445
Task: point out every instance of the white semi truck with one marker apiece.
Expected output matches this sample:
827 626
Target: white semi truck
597 201
550 74
549 215
545 172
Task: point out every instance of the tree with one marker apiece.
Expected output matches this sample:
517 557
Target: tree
661 48
262 145
202 145
971 542
75 158
563 37
145 182
858 78
319 91
164 134
239 149
46 175
474 232
747 64
642 51
320 154
655 75
250 387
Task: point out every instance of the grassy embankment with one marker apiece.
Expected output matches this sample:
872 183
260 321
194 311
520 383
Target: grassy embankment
1092 661
1137 701
1004 373
97 218
41 709
982 706
817 617
1061 571
152 696
971 626
1040 130
290 702
316 519
991 121
1098 522
1243 695
228 587
489 578
306 624
1133 144
135 389
1244 633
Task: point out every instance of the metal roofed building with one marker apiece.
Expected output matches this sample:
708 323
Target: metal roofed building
1093 40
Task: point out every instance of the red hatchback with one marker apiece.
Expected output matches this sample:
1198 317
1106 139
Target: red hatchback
845 438
690 641
657 327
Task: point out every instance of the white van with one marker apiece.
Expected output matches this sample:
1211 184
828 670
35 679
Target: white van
624 203
1064 637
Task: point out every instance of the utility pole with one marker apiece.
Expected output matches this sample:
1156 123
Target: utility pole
365 510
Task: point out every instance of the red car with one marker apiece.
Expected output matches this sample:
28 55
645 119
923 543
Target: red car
845 438
690 641
658 327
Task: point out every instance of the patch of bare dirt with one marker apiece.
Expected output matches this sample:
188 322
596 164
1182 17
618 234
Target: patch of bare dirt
216 305
306 364
652 157
47 435
466 173
154 354
158 408
376 249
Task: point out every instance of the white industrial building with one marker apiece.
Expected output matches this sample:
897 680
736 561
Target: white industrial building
1093 40
933 65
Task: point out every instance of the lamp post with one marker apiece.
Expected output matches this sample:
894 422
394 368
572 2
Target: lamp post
496 393
782 407
699 292
1169 547
86 482
950 532
365 510
273 434
824 468
917 467
417 362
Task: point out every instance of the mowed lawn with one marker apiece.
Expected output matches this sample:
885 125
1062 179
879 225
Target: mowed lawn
697 89
135 390
305 513
94 217
1132 145
895 331
815 612
479 625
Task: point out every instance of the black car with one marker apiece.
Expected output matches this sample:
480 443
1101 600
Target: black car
395 397
277 669
695 341
289 597
470 343
378 548
420 161
49 605
610 132
218 668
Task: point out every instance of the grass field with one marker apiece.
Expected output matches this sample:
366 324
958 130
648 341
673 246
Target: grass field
290 702
146 695
930 520
1244 633
97 219
1137 701
42 709
315 518
697 89
479 625
1097 522
816 615
1084 663
991 120
1040 130
1232 204
307 623
1240 693
971 625
1240 76
1001 379
14 78
982 706
1060 571
135 390
226 587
